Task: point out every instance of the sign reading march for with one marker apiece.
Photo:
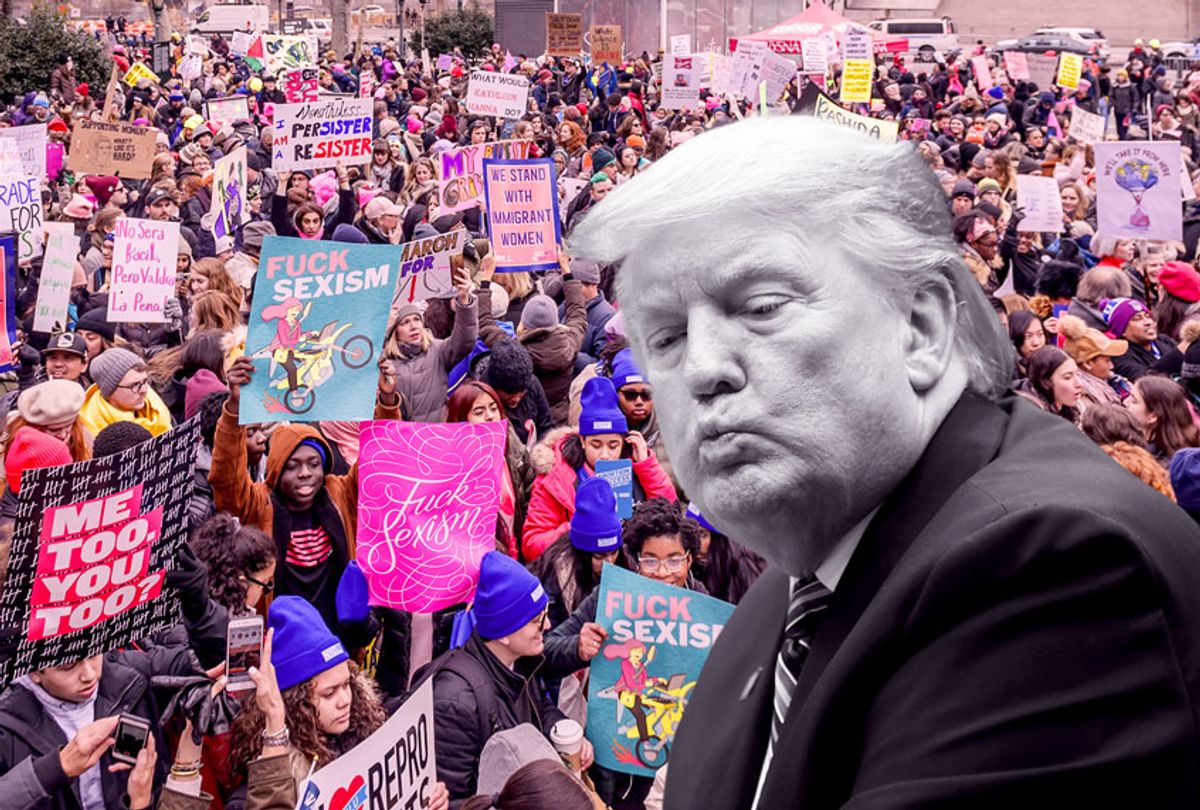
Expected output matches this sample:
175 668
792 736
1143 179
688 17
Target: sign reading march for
321 134
91 547
318 323
425 267
659 637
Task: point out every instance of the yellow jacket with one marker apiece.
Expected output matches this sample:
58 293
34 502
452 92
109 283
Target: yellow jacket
98 413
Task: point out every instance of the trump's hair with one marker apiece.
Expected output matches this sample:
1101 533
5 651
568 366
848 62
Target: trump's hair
878 202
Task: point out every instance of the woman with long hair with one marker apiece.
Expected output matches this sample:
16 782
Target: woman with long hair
422 177
212 309
1053 384
52 407
543 784
1028 334
726 567
573 140
1160 406
210 274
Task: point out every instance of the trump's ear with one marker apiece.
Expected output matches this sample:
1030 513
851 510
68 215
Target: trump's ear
932 324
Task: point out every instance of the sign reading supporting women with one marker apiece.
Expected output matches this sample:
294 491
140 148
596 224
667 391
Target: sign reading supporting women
1138 191
322 134
659 637
91 547
428 495
316 330
522 213
143 270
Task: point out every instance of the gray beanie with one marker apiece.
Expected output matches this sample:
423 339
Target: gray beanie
539 313
253 233
108 367
586 271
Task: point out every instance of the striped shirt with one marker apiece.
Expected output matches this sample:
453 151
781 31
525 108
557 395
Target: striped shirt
308 548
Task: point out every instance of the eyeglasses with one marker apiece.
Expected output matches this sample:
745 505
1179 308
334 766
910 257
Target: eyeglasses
673 564
634 396
138 387
267 586
540 619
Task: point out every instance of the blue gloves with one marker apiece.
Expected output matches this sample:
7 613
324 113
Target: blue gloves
351 599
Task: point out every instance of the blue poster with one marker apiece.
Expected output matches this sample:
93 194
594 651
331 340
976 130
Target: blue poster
619 475
317 328
658 640
8 303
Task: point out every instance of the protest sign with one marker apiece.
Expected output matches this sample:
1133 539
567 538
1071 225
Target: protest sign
858 66
92 544
460 172
1040 198
428 495
227 110
1070 69
1016 66
425 268
191 67
813 56
30 142
857 44
681 44
722 70
228 207
366 84
138 71
1086 127
1042 68
813 101
317 327
746 68
658 639
160 60
281 52
196 45
393 768
240 44
8 301
983 72
58 268
300 85
321 134
445 61
143 270
619 475
522 213
99 147
564 34
777 72
500 94
606 44
680 90
1138 191
570 187
54 160
21 213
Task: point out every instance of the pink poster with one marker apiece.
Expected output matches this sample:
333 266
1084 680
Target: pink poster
54 160
983 72
1016 65
522 213
427 501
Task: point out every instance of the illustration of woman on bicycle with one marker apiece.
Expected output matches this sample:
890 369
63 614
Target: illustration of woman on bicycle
632 685
288 334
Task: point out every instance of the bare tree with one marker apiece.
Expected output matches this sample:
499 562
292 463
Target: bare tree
340 36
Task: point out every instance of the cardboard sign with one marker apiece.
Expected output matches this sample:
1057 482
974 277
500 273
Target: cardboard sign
99 147
301 85
445 61
137 72
498 94
428 495
619 475
92 545
228 206
1070 69
857 44
606 44
240 42
54 287
460 172
1042 69
8 302
522 213
1138 191
680 90
317 327
394 767
425 271
777 72
819 105
227 110
1086 127
30 143
321 134
658 639
983 72
564 34
143 270
1016 66
1039 196
21 213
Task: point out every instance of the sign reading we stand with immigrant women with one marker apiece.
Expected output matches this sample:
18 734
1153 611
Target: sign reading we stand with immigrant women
321 134
92 544
316 330
522 213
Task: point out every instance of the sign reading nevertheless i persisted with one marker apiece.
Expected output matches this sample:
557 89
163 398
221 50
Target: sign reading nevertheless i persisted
522 213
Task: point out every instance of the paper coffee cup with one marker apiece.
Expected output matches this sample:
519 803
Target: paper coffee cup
567 738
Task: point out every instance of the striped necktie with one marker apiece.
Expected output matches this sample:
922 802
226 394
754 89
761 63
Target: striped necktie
807 604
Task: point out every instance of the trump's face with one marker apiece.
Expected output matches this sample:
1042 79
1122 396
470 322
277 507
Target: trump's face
780 378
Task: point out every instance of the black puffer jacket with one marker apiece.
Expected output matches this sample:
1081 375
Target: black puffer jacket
516 698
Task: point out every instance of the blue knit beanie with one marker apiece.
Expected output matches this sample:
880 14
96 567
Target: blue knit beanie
508 596
625 370
302 647
1185 477
693 512
595 527
599 411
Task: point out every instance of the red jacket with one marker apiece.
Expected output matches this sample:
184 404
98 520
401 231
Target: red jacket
552 502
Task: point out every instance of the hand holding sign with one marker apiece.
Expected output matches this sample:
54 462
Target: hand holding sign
591 638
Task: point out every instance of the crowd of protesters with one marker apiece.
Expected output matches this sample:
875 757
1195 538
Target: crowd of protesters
1104 330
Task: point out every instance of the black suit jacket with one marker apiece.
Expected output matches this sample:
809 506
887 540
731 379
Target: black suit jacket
1018 627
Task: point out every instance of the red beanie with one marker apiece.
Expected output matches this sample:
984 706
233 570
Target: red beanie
1181 280
30 450
103 187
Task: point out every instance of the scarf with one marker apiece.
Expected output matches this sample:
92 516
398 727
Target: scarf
316 236
98 413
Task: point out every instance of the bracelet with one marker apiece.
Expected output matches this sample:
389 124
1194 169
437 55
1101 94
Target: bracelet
279 738
184 773
194 765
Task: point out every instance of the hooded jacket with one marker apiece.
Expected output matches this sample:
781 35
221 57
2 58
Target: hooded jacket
421 378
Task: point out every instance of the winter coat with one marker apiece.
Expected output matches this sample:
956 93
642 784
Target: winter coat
533 410
98 413
1125 99
599 313
552 502
1138 361
421 378
62 83
552 349
1096 391
459 732
390 661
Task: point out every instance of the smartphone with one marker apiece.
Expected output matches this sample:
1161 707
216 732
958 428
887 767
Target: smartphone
132 732
244 650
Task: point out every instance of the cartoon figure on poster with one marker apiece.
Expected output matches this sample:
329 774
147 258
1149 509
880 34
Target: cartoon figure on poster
1137 176
654 704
